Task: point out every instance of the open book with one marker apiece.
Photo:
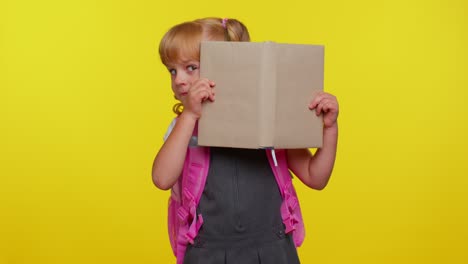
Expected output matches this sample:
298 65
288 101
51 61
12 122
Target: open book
262 95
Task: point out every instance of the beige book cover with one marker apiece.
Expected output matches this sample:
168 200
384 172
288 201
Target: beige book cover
262 95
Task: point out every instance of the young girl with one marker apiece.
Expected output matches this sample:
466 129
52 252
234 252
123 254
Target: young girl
241 218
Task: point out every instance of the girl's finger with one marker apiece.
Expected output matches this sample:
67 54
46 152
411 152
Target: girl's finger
212 95
327 107
315 102
205 94
324 106
197 88
318 109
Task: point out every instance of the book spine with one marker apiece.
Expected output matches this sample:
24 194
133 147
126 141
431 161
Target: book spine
267 95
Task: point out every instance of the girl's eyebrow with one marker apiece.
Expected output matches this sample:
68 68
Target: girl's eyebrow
183 62
189 61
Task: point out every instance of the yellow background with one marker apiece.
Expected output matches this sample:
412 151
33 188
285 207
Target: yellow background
85 101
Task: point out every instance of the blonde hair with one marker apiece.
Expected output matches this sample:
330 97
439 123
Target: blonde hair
183 40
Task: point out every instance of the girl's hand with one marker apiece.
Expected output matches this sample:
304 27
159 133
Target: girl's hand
328 105
200 91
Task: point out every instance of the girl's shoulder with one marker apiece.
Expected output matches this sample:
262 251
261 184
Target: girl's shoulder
169 129
193 140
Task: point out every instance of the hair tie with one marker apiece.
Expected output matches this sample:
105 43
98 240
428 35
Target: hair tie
224 22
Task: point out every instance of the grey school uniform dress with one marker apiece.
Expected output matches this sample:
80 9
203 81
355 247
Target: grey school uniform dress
240 206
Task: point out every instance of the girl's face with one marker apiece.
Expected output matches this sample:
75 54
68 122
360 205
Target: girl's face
183 74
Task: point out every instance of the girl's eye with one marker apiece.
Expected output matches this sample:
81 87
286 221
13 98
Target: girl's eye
192 67
172 71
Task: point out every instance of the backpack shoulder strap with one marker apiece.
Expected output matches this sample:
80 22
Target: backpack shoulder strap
192 181
196 166
290 208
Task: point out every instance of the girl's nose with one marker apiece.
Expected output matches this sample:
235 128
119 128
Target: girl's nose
180 79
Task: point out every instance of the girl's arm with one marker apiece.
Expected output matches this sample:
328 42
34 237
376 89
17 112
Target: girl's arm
169 162
315 170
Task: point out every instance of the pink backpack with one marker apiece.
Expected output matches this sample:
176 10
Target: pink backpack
184 224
